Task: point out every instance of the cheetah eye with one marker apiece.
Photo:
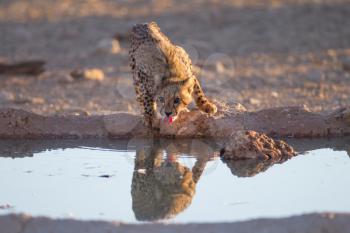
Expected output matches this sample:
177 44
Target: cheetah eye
176 100
161 99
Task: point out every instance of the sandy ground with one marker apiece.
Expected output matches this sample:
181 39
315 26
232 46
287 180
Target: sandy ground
312 223
260 53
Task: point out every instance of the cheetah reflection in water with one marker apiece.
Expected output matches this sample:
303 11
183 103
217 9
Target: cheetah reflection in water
162 187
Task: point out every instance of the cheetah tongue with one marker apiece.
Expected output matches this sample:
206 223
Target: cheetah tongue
168 119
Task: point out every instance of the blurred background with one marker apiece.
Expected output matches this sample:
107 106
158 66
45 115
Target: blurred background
71 56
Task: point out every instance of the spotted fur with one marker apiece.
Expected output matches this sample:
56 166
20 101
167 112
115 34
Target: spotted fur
162 74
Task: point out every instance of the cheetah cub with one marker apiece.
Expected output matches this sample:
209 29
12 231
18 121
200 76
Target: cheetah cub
163 76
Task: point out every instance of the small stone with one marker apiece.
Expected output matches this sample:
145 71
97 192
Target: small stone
94 74
28 100
343 114
108 46
6 97
254 101
65 79
22 100
37 100
89 74
141 171
220 68
274 94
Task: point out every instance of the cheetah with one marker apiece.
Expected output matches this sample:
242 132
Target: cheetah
164 187
163 76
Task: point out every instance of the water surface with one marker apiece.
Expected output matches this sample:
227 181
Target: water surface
173 181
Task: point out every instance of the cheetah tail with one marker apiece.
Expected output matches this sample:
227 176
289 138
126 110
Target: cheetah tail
201 100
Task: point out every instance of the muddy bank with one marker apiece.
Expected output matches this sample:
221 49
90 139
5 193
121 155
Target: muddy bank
276 122
312 223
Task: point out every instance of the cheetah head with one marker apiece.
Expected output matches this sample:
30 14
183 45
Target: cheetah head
173 99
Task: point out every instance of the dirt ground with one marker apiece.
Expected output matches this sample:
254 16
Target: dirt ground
311 223
261 53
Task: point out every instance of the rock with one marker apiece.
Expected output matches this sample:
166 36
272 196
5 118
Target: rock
37 100
19 124
188 123
220 68
94 74
253 145
254 101
124 125
198 124
89 74
274 94
21 100
342 114
68 78
28 100
34 67
6 97
77 74
108 46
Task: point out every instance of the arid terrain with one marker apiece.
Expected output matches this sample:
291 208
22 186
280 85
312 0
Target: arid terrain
262 54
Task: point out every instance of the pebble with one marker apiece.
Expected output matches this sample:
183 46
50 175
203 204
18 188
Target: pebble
89 74
108 46
254 101
141 171
274 94
37 100
220 68
6 97
28 100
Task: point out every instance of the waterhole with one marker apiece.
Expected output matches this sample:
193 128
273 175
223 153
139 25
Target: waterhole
165 180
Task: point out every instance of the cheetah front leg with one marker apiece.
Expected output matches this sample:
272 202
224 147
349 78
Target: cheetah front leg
148 107
144 97
201 100
149 112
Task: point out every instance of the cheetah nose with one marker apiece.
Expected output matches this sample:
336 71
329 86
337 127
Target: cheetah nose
168 114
